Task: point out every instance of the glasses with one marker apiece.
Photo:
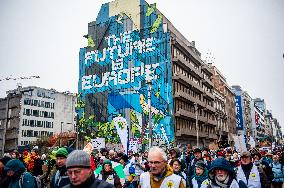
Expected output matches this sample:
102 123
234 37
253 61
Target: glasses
76 172
155 162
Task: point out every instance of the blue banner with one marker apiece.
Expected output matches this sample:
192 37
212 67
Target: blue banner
239 113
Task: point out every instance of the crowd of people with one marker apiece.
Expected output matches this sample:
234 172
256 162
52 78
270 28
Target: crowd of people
193 168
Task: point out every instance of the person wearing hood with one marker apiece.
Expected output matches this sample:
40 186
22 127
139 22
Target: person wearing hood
277 170
160 174
222 175
200 176
176 166
18 177
109 175
4 179
248 172
60 178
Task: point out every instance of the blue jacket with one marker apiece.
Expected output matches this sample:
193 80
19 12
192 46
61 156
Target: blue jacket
19 172
277 170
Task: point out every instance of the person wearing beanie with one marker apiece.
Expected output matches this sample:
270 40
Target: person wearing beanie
200 176
60 178
197 152
222 175
79 170
108 174
18 177
248 172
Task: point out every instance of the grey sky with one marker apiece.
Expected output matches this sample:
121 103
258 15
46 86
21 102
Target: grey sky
246 37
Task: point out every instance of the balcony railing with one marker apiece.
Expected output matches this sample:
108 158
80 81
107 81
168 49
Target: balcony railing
180 60
181 94
187 81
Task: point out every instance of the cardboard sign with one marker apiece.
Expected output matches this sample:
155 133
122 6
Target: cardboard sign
98 143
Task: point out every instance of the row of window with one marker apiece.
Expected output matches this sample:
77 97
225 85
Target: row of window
179 69
188 107
38 113
191 125
36 123
178 52
180 87
32 133
44 94
24 143
39 103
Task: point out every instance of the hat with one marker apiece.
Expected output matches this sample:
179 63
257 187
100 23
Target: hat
221 163
107 161
200 164
15 165
245 154
197 150
62 152
78 159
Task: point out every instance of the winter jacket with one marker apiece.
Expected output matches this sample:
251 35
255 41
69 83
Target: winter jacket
60 179
169 180
253 179
92 182
110 177
19 171
277 170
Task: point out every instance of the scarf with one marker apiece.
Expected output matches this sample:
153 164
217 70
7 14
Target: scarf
201 178
223 184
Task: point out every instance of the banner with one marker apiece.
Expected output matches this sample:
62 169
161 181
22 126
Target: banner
98 143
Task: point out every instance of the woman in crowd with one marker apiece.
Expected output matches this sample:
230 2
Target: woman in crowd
109 175
176 166
200 176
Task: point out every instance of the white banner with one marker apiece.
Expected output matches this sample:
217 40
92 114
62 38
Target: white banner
98 143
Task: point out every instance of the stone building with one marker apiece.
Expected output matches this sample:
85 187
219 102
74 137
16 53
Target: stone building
136 61
226 127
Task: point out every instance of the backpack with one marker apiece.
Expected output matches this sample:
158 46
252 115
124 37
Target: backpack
37 181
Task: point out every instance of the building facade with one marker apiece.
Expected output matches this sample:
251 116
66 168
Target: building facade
33 112
226 115
140 69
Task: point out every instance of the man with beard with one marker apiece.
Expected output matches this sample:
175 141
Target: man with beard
248 172
222 175
60 178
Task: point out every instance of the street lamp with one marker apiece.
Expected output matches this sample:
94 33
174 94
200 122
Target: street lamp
150 114
196 123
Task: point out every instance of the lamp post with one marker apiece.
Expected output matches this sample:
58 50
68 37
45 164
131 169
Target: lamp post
196 124
60 134
150 114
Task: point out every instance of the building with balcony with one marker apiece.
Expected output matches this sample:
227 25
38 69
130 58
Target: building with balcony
225 106
28 113
136 60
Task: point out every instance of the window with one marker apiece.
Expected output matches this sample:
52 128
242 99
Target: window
32 123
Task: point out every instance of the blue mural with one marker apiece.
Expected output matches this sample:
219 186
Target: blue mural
128 58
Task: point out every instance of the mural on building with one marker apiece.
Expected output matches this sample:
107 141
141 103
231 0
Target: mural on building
127 57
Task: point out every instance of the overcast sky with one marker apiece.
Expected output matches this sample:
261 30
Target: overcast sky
246 38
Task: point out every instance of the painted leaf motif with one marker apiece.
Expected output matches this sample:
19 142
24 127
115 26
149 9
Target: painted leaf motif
157 23
91 42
